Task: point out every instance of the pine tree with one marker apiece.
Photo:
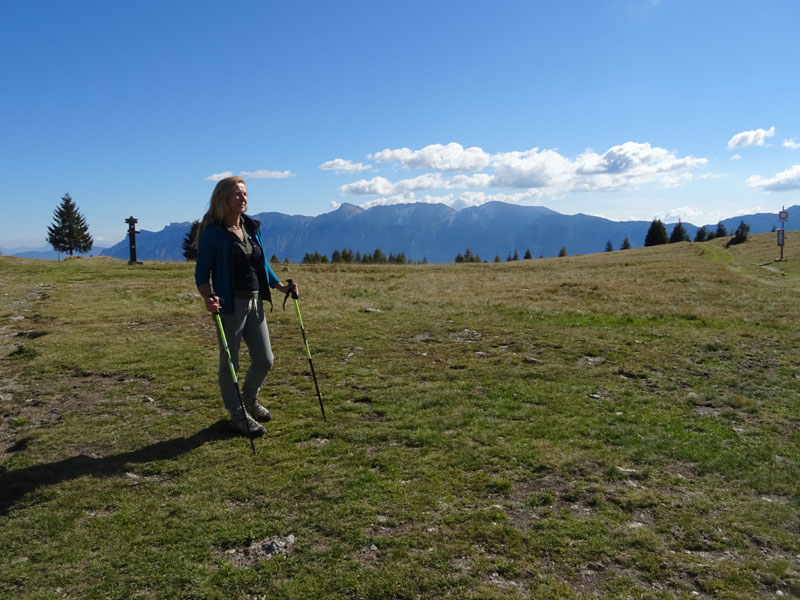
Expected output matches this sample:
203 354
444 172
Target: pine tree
721 231
528 254
678 234
563 251
656 235
189 243
497 258
626 244
740 236
700 236
69 231
609 246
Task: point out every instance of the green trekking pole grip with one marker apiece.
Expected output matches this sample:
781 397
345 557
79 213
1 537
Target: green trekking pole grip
292 291
221 331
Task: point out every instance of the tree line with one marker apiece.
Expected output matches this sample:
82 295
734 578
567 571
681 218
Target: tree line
346 256
656 235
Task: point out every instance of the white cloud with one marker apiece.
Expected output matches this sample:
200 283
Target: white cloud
427 181
687 214
264 174
462 200
754 137
748 211
376 185
340 165
529 174
450 157
260 174
781 182
736 157
697 216
632 164
219 176
532 169
792 144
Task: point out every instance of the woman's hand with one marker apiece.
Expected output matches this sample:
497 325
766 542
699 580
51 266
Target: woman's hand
212 304
285 288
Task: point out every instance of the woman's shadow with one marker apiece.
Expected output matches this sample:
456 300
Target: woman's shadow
16 484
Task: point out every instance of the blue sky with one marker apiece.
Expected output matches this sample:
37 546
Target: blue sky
628 109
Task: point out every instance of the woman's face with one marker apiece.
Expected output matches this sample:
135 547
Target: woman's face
237 201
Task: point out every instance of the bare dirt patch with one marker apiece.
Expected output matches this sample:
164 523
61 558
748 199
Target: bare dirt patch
258 551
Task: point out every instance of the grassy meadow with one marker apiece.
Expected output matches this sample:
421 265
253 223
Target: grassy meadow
617 425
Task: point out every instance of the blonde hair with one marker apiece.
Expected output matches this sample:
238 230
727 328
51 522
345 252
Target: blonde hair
218 205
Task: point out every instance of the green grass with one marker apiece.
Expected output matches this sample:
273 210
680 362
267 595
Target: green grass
614 425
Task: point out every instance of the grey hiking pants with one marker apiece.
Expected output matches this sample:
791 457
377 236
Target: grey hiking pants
249 324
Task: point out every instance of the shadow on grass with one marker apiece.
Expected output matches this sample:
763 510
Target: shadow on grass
16 484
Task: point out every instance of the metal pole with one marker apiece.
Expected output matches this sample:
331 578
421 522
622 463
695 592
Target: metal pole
235 380
291 291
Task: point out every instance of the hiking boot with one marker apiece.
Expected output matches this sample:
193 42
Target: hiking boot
258 412
243 424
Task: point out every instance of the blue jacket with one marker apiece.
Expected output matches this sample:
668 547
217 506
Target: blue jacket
215 258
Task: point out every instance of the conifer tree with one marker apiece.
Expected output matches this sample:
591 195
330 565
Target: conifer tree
69 231
626 244
700 236
190 243
609 246
563 251
656 235
721 231
528 254
497 258
678 233
740 235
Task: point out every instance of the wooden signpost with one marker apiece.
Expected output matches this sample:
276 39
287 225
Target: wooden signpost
132 239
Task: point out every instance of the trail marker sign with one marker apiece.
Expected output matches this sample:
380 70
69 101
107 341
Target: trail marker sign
783 216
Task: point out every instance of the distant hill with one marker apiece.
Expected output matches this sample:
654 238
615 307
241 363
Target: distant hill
47 252
434 232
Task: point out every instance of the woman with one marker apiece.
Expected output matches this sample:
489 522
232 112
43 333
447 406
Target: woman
229 249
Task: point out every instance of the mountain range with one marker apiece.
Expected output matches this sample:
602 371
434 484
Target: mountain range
433 232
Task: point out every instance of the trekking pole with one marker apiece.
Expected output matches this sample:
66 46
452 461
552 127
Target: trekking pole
235 379
291 291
